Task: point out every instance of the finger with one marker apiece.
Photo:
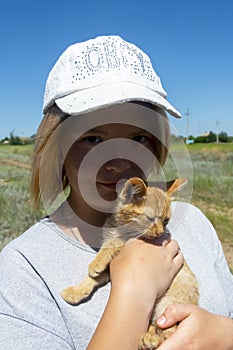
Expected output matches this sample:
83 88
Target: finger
173 248
174 313
165 242
178 260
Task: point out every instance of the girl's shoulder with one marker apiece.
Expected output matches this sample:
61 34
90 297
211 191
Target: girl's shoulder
189 224
30 237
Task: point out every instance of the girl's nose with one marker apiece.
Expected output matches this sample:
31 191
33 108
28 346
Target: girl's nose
118 165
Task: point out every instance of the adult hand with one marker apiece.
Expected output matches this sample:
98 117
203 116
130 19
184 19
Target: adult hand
198 329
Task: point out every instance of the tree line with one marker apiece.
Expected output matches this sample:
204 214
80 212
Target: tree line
17 140
210 137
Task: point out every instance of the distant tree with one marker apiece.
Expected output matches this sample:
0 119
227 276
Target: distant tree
211 137
200 139
223 137
15 140
5 140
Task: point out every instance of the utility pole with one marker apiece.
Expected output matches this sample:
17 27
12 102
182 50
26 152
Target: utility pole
187 114
217 133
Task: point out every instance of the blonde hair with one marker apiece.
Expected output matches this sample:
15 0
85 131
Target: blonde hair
46 159
48 178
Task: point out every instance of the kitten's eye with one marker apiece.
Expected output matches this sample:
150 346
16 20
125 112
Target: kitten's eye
150 219
165 222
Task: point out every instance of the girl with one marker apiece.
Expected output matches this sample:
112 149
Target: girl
104 122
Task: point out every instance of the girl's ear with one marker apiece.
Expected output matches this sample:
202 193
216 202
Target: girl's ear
175 186
134 191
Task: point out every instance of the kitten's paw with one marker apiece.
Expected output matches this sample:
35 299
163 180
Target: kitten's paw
149 341
74 295
95 269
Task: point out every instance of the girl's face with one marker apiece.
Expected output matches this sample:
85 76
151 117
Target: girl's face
100 157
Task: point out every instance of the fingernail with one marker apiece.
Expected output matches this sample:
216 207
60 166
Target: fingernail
161 320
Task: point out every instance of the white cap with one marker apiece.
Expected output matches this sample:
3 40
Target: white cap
101 72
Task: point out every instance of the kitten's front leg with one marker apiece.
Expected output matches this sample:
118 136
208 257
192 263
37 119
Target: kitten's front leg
102 260
75 294
98 273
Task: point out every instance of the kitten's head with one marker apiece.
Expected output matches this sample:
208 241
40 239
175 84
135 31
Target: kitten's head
146 209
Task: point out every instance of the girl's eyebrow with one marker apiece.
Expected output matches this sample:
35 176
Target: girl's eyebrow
96 130
141 132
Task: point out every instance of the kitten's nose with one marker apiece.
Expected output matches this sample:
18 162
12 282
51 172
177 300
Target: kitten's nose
118 165
158 229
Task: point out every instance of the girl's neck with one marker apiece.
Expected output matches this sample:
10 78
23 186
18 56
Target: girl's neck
81 210
81 222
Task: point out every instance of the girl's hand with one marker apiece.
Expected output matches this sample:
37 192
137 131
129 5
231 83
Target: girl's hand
139 274
198 329
145 270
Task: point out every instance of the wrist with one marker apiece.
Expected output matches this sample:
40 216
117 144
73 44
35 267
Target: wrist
130 317
135 299
229 330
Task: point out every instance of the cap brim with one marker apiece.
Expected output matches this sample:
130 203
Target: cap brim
94 98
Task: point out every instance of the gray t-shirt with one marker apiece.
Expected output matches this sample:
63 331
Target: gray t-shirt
38 265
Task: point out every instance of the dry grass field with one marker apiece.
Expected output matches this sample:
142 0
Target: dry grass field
212 190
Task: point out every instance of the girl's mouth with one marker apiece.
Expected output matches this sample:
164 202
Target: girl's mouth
110 185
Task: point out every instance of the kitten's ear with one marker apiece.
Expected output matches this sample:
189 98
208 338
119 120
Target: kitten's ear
133 191
175 186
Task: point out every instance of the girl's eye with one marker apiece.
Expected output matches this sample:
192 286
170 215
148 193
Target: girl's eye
140 138
92 139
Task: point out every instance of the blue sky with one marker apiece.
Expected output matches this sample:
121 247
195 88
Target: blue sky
190 43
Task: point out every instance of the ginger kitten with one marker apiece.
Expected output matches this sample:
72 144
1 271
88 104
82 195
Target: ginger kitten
142 212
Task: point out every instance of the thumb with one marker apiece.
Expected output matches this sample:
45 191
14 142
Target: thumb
173 313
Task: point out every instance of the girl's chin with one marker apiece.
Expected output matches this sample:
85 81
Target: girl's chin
103 199
107 192
105 206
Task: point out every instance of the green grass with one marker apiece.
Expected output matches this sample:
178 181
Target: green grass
210 164
210 147
16 211
213 185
